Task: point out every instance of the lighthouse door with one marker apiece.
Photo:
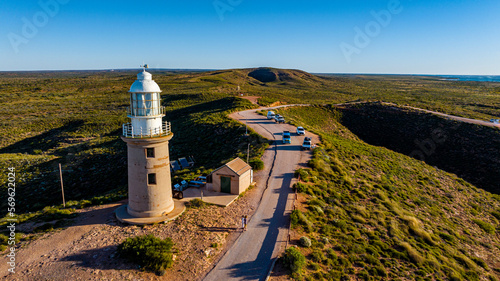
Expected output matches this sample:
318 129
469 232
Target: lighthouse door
225 184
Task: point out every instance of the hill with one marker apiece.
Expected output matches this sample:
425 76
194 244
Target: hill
372 213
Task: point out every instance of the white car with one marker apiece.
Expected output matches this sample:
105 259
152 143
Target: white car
270 115
301 131
306 144
495 121
278 118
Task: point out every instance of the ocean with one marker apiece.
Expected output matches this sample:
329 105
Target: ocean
478 78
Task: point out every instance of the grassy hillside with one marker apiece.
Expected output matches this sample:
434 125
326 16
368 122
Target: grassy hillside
468 150
375 214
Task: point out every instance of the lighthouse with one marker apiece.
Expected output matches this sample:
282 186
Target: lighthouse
147 136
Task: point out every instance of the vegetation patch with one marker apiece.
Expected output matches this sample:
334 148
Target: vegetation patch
148 251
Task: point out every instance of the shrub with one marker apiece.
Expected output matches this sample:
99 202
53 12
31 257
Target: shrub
318 256
412 253
298 218
485 226
3 242
53 213
303 174
317 209
447 237
300 187
196 203
148 251
480 262
305 241
415 226
257 164
295 260
496 214
295 218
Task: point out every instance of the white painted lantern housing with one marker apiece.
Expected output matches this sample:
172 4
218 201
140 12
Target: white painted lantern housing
145 109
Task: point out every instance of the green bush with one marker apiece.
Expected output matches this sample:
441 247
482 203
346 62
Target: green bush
485 226
300 187
295 218
496 214
295 260
412 253
3 242
305 241
257 164
148 251
298 218
318 256
54 213
196 203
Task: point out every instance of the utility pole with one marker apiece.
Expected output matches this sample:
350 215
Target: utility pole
248 152
62 185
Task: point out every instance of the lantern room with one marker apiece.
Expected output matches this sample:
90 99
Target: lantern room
145 109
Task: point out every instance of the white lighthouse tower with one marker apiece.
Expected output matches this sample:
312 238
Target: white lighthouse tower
147 135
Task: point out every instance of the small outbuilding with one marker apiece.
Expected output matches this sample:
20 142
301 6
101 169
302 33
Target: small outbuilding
234 177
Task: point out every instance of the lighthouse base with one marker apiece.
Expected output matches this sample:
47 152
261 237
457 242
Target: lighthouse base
123 216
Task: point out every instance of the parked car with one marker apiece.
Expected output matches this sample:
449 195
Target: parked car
495 121
270 115
200 181
176 192
306 144
280 119
301 131
287 138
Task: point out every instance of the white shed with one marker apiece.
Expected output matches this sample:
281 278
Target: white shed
234 177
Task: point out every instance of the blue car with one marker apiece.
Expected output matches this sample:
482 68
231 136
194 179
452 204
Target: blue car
287 137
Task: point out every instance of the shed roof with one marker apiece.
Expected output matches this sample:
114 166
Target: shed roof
237 165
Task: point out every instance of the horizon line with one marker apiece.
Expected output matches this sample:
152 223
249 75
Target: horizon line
218 69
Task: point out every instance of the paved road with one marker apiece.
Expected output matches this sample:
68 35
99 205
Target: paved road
251 256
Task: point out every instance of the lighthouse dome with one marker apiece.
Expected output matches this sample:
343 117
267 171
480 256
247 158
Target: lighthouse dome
144 84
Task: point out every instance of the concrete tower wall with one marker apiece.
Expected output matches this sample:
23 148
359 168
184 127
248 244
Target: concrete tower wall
149 200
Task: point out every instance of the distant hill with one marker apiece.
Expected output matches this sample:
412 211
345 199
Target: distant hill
266 75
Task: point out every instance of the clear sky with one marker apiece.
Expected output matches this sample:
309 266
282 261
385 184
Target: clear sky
329 36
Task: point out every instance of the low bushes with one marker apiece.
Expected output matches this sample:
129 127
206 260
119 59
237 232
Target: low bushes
305 242
485 226
152 253
256 164
295 260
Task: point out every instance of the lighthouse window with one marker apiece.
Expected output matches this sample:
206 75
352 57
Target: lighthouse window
152 178
150 152
145 104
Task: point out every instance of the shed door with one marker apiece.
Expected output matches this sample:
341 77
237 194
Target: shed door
225 184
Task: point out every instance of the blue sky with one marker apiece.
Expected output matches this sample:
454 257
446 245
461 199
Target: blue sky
390 36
